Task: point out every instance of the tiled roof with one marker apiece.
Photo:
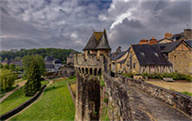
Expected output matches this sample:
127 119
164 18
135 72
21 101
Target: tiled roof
150 55
168 47
48 59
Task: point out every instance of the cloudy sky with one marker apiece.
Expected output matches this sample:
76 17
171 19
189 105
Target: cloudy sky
70 23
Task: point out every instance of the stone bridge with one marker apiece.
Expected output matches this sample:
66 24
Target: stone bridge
129 99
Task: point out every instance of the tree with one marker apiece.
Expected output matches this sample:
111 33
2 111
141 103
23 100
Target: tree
33 79
6 66
17 58
12 67
1 65
6 79
27 60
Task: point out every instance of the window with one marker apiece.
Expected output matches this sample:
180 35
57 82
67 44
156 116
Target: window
134 64
155 54
121 65
142 54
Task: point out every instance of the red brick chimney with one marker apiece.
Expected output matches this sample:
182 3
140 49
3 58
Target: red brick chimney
153 41
143 41
168 35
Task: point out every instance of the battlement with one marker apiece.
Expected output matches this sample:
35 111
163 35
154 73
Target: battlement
91 65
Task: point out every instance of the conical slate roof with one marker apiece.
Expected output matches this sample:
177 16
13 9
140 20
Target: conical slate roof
97 41
92 43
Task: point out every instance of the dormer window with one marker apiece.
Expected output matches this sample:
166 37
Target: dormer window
142 54
155 54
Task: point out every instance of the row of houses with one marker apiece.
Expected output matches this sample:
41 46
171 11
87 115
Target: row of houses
173 53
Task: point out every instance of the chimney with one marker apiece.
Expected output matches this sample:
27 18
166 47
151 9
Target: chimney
168 35
188 34
143 41
153 41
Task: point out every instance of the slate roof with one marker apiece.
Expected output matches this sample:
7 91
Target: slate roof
114 56
168 47
150 55
178 36
98 40
48 59
123 61
189 42
49 66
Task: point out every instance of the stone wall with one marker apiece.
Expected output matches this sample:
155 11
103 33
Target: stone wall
66 71
123 105
182 61
173 98
87 98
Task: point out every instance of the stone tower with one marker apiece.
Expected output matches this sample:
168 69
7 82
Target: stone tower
89 67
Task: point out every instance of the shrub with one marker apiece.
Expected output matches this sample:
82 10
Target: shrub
130 75
106 100
189 77
71 77
102 83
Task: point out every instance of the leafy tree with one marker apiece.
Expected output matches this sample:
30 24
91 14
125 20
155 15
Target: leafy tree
12 67
33 84
17 58
1 65
27 60
7 78
6 66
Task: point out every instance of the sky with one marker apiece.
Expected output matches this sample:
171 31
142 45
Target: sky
70 23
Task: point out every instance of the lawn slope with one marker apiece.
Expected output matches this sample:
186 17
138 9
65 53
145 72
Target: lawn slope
55 104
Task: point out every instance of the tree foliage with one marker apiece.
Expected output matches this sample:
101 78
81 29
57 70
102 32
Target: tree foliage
27 61
6 66
7 79
12 67
33 79
15 54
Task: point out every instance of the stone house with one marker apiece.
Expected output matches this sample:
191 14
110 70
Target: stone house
118 59
166 38
51 64
163 57
179 53
70 59
186 35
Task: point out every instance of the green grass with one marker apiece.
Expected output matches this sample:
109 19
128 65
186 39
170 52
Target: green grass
187 93
8 90
55 104
44 82
15 99
2 95
104 115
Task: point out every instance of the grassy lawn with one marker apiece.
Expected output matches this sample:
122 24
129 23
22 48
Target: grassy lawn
14 100
8 90
55 104
187 93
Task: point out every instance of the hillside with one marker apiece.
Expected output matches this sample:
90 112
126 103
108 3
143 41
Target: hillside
15 54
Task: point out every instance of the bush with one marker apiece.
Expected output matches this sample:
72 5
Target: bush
106 100
130 75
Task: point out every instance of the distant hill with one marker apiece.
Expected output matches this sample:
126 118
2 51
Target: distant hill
15 54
